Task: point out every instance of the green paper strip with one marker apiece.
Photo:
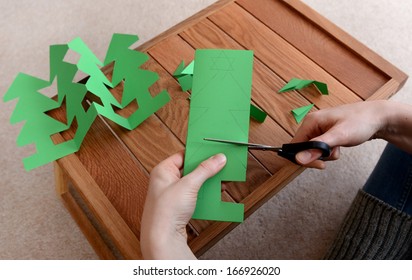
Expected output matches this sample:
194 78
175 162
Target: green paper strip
301 112
32 106
295 84
257 114
219 108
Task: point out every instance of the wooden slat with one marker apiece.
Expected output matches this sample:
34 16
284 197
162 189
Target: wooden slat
348 40
121 178
175 119
152 141
279 55
206 34
172 45
337 59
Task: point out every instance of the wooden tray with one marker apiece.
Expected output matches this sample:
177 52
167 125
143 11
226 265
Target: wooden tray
104 185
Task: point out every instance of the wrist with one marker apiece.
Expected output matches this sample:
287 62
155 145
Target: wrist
160 241
397 125
383 112
166 247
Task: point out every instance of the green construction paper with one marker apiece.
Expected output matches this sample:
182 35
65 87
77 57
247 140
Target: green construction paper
189 69
72 93
184 75
295 84
126 68
219 108
179 69
32 106
38 127
257 114
186 82
301 112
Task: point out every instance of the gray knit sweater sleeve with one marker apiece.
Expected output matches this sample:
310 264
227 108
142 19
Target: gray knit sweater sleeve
373 229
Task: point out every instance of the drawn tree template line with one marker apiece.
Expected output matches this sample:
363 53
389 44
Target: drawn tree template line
32 106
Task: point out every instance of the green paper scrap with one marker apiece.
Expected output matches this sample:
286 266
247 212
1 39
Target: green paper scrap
301 112
32 106
219 108
184 75
185 82
179 69
296 83
257 113
189 69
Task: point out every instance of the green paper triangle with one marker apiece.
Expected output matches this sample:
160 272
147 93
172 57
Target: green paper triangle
257 114
301 112
189 69
179 69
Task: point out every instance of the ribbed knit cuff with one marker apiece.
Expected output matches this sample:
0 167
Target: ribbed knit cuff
373 229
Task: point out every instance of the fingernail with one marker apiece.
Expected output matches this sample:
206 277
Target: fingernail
304 157
219 158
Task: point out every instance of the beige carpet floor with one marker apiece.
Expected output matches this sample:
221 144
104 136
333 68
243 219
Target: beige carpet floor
299 223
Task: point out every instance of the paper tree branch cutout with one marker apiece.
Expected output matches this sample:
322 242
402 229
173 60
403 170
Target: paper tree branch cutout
295 84
32 106
301 112
184 76
219 108
257 113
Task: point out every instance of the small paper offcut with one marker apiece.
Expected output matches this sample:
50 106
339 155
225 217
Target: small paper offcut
295 84
300 113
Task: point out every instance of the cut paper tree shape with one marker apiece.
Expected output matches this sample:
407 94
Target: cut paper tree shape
296 83
38 127
32 106
301 112
184 76
219 108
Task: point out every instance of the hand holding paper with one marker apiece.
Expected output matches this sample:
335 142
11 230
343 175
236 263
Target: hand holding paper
219 108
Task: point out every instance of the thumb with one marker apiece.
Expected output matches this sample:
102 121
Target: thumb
205 170
309 156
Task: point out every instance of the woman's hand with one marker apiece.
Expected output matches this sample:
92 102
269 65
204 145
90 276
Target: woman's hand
170 204
346 125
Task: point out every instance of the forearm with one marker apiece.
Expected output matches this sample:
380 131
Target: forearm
397 128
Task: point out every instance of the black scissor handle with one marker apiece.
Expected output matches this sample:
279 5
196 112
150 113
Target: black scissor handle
289 151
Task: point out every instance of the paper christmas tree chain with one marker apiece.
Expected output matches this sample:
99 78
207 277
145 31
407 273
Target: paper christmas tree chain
32 106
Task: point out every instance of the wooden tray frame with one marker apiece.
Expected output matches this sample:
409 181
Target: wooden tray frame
104 184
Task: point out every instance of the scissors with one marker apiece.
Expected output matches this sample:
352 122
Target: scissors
287 151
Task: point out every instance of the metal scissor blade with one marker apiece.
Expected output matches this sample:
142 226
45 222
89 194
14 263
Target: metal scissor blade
251 146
